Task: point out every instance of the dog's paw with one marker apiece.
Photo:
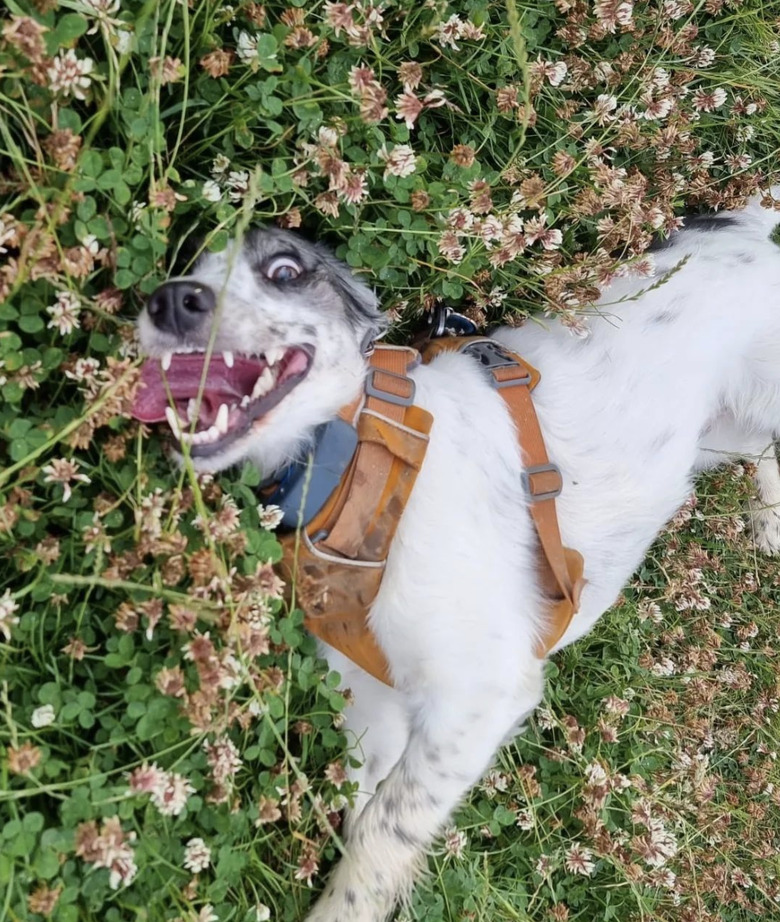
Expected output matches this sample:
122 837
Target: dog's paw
765 526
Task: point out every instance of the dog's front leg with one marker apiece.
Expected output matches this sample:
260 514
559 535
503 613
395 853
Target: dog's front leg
453 739
377 724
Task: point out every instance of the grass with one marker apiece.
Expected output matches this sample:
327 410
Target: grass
154 687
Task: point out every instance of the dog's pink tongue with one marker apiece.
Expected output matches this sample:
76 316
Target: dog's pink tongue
184 379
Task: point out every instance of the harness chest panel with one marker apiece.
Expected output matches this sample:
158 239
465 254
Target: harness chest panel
334 564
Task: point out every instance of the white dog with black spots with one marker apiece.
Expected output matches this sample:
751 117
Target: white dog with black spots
674 378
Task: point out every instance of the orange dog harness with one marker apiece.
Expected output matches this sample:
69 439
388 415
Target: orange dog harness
335 563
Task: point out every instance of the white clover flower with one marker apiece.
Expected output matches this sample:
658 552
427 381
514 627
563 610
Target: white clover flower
595 773
172 795
557 73
579 860
123 39
247 47
327 136
709 100
64 313
450 247
7 608
223 759
7 232
197 856
43 716
136 211
270 516
219 164
84 371
449 32
400 161
238 183
525 820
103 7
455 841
68 75
91 244
262 912
63 470
211 191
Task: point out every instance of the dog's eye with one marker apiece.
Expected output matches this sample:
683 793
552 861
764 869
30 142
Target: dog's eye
282 269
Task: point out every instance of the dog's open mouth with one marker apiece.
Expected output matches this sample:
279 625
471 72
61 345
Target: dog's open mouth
209 407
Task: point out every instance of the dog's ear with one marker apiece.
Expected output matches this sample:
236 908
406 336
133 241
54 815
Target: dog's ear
360 302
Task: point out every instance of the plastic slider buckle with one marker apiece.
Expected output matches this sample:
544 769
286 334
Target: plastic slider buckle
491 356
526 479
373 390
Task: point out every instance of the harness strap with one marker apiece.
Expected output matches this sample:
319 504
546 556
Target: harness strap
389 393
561 569
337 562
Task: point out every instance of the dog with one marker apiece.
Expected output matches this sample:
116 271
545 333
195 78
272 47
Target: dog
674 378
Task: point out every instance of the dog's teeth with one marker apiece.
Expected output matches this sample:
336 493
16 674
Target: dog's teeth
166 360
244 401
227 358
173 421
212 434
222 419
272 356
263 384
192 410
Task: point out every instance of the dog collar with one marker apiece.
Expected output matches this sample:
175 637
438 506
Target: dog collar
305 485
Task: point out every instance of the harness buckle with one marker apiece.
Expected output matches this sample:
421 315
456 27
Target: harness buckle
491 356
526 479
373 390
444 321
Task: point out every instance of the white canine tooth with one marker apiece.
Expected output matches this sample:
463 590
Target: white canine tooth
173 421
222 418
166 360
272 356
212 434
192 410
263 384
228 359
244 401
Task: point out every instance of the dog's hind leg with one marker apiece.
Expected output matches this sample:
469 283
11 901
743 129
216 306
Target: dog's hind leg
453 738
765 509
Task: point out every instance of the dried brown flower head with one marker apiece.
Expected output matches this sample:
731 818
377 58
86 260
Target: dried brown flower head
463 155
63 147
26 35
420 200
43 900
23 759
217 63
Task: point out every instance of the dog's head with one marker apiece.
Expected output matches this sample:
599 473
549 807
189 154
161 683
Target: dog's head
286 325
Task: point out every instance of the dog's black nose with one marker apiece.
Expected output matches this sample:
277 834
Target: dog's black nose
178 307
